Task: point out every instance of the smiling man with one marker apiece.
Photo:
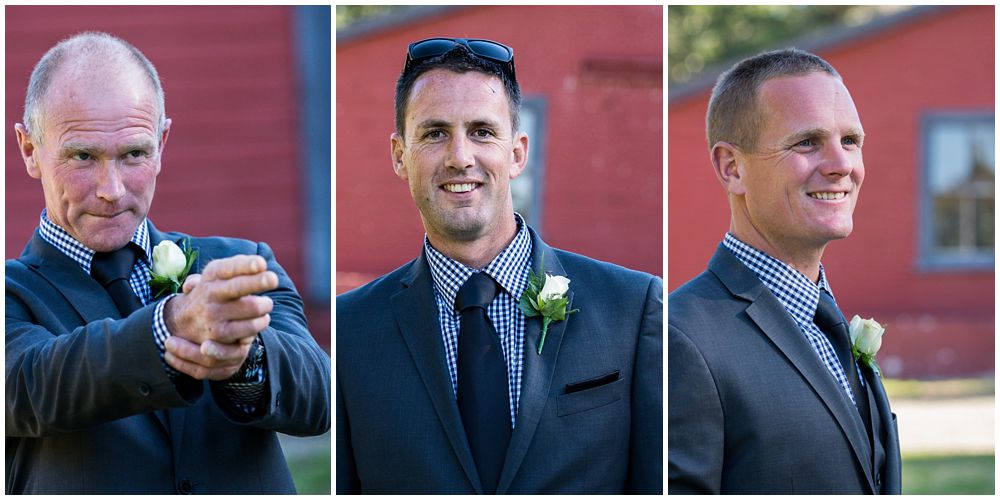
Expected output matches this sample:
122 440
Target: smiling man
445 384
113 387
765 395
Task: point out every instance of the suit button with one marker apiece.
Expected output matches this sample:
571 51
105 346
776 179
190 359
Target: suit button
184 487
878 479
144 389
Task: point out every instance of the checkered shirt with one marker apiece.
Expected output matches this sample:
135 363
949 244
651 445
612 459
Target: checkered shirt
510 270
244 395
798 295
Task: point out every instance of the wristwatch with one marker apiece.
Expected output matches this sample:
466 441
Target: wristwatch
252 369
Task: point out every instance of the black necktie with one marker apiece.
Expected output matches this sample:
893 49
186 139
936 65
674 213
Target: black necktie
831 321
483 397
111 270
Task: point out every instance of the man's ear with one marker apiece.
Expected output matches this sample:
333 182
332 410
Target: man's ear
728 162
163 142
27 147
519 156
396 147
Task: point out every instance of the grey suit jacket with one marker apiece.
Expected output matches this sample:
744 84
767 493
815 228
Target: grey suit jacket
398 425
83 384
752 409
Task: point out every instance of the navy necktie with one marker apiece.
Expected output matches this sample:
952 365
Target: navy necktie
112 270
483 397
831 321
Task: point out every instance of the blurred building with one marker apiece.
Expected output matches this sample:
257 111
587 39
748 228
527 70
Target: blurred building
921 258
591 79
248 90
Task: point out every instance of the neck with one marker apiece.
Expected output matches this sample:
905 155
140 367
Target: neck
479 252
803 258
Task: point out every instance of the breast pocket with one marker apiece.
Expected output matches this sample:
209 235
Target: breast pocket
589 394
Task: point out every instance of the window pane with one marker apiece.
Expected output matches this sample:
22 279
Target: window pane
960 182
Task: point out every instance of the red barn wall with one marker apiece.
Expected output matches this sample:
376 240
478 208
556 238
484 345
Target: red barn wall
940 323
599 69
231 164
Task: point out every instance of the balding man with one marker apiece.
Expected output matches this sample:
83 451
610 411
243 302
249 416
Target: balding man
117 382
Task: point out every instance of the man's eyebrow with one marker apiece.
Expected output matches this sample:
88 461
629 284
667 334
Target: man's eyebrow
433 123
483 122
144 145
821 132
78 147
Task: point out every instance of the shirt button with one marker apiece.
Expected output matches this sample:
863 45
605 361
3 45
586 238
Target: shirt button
144 389
184 487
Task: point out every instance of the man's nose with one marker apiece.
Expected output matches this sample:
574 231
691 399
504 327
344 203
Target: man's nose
838 160
110 184
460 155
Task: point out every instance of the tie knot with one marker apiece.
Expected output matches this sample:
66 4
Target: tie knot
828 314
478 291
110 266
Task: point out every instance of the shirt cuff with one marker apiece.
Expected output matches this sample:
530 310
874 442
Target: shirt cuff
246 390
161 334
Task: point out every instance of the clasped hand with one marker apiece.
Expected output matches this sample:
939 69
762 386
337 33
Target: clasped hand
217 317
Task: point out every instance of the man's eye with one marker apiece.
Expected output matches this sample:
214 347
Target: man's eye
807 143
851 141
81 156
434 134
483 133
136 153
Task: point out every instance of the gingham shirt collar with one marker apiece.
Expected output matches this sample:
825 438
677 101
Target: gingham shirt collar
67 244
507 268
797 293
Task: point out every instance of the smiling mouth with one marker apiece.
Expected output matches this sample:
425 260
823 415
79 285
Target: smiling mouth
828 196
460 188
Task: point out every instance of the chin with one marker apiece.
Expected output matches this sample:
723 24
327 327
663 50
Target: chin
109 240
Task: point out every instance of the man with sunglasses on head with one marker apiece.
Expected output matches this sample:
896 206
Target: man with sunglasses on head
492 363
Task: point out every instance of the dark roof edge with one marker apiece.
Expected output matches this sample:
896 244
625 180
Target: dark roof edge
392 19
822 41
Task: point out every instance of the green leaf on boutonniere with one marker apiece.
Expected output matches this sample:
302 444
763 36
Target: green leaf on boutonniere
550 305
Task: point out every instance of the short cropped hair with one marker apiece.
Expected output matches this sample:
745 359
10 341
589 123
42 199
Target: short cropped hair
87 44
734 115
458 60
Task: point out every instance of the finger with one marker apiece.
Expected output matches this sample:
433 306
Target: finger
236 265
197 371
246 307
210 355
240 286
239 330
225 354
191 282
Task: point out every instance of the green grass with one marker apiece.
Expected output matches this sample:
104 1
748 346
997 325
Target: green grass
311 473
939 389
948 474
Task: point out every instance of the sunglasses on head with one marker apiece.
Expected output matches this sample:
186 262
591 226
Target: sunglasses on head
486 49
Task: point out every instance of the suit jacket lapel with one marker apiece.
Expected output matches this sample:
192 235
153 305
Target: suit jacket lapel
416 315
881 411
87 297
769 315
536 377
171 418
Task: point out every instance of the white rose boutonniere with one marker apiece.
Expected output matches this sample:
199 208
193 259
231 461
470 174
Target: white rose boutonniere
545 297
171 266
866 339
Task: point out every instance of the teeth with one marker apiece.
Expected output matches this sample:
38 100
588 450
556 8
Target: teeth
828 196
459 188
